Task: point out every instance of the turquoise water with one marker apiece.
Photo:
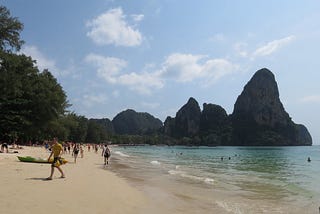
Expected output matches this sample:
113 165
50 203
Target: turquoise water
279 176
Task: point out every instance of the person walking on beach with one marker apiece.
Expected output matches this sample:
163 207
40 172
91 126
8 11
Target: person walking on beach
96 148
69 147
81 151
56 151
106 154
75 152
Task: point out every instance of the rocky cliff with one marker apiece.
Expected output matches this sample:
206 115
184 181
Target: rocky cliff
259 117
135 123
210 127
187 121
215 125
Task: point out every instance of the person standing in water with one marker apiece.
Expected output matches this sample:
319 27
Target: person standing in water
106 154
56 151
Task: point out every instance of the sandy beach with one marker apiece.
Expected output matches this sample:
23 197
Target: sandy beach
87 188
126 186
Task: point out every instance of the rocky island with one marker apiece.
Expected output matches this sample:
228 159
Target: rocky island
258 119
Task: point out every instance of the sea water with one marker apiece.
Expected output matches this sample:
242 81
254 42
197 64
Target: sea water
224 179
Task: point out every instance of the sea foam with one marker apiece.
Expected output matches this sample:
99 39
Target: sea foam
155 162
192 177
121 154
175 172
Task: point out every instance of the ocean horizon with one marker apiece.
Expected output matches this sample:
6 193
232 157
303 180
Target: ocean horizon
232 179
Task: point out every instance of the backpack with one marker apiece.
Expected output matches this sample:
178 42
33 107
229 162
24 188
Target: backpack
107 153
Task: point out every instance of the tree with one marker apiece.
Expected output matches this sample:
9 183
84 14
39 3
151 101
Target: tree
96 133
47 99
57 128
14 86
29 100
77 126
10 28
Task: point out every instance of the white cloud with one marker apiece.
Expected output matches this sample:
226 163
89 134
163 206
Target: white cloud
182 67
42 61
112 27
218 68
273 46
240 49
90 100
177 67
150 105
142 83
137 17
311 99
107 67
188 67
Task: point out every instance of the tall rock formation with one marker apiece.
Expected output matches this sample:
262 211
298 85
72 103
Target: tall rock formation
169 126
259 117
187 121
215 125
135 123
213 117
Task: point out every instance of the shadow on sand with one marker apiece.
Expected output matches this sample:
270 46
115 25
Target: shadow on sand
38 179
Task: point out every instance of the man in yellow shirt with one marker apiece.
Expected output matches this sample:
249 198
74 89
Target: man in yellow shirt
56 151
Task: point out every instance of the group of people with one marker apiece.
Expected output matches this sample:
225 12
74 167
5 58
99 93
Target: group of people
5 147
57 150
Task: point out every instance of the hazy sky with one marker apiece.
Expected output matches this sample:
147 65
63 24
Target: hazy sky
152 55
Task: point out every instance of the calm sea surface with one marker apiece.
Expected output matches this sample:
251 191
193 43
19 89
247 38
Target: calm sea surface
224 179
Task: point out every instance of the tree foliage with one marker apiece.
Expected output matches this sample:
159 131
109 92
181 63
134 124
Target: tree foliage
29 99
10 28
78 126
96 133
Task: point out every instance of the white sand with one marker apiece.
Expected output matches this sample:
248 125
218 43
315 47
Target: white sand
87 188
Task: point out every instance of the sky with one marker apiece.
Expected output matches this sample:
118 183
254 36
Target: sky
153 55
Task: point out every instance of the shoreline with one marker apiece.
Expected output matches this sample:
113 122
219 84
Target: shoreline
129 184
162 176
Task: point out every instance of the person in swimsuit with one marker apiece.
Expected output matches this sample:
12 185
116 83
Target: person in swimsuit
56 151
